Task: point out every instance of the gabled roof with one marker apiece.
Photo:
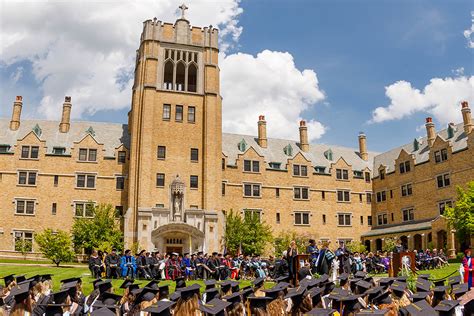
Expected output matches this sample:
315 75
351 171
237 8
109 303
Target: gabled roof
275 153
111 135
458 142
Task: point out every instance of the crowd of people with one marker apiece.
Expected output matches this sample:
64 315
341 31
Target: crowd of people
348 294
218 266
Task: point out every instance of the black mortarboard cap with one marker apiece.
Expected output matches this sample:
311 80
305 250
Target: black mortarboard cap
104 285
459 289
46 277
363 285
95 282
8 279
20 292
126 283
233 298
60 297
146 294
321 312
421 308
422 285
401 278
109 299
214 307
418 296
424 276
360 274
259 302
163 290
226 285
454 280
258 282
383 298
180 283
102 312
439 282
211 283
446 307
375 312
175 296
160 309
54 309
323 279
398 286
20 278
75 279
188 292
386 281
235 286
283 278
152 285
246 293
211 294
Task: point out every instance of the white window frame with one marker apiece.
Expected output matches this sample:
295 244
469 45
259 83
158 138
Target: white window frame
30 150
23 232
84 204
253 163
406 189
443 175
301 214
88 151
86 175
252 189
344 174
298 170
28 172
25 200
381 216
409 211
116 182
444 203
344 214
343 195
441 155
300 190
257 211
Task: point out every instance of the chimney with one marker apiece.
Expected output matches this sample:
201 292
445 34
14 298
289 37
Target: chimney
66 117
304 145
430 131
363 146
17 105
466 117
262 131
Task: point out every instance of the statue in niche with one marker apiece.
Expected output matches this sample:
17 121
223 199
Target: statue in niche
177 199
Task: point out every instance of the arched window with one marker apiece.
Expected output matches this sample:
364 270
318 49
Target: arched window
168 78
180 76
192 78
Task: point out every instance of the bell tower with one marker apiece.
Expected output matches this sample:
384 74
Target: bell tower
175 125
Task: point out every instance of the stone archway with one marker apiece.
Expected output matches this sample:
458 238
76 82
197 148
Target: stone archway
442 237
178 237
367 245
378 244
404 240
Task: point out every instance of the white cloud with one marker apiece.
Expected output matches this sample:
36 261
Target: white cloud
268 84
468 34
86 49
440 98
17 74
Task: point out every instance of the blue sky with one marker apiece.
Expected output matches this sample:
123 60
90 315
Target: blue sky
356 49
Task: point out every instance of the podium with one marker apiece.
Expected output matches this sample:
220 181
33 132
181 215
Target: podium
298 262
398 260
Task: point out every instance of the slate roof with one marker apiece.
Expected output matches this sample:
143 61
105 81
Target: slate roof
399 228
458 142
275 152
111 135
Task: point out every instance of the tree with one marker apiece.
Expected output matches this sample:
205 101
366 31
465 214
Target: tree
102 231
356 246
461 216
390 244
56 246
282 241
248 233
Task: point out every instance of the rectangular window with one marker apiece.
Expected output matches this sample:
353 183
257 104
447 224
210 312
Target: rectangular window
166 112
223 188
441 155
34 152
301 193
277 192
369 220
408 215
54 208
300 170
59 150
342 174
4 149
367 177
277 219
362 220
251 166
25 207
253 213
391 194
118 211
251 190
161 152
443 180
404 167
344 219
56 181
87 154
443 204
368 197
193 182
381 196
194 154
343 196
191 114
29 152
160 179
324 219
382 174
85 181
23 241
223 163
27 178
407 189
121 157
323 195
120 183
83 209
360 197
25 152
301 218
392 217
179 113
382 219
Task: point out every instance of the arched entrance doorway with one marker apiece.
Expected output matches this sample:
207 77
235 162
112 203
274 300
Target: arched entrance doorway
442 239
178 237
404 240
378 244
417 241
367 245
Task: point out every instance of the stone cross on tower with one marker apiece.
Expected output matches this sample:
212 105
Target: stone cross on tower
183 8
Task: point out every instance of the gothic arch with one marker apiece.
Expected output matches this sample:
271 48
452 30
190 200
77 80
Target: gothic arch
192 77
168 75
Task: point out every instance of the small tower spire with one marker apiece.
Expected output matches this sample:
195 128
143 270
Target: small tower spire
183 8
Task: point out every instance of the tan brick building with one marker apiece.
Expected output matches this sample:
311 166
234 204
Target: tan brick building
414 183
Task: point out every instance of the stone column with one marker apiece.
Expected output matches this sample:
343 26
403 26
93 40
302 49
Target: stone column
452 243
411 242
423 241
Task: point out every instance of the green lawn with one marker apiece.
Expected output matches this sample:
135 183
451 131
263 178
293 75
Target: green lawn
68 272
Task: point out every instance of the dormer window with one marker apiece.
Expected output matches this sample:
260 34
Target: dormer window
404 166
450 130
59 150
441 155
275 165
328 154
4 149
416 144
242 145
288 150
320 169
